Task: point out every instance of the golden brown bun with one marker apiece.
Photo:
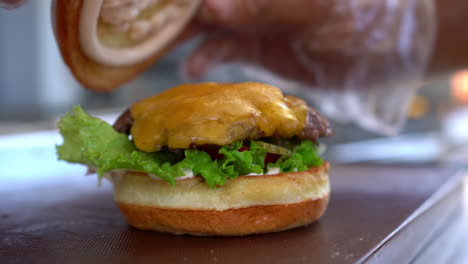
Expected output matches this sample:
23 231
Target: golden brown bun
246 205
90 74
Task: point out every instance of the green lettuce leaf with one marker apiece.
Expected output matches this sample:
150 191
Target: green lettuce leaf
93 142
304 155
238 163
201 164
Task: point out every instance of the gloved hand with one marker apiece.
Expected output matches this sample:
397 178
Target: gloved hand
269 34
359 61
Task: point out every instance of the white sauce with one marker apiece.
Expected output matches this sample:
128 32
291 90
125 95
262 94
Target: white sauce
97 51
270 172
188 174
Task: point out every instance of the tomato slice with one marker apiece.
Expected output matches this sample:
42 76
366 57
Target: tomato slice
212 151
271 158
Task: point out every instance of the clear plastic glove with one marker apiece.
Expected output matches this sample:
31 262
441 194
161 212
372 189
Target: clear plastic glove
11 4
358 60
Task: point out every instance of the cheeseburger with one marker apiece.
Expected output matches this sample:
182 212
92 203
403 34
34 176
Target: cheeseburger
208 159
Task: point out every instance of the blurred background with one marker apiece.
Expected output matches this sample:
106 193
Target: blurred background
36 88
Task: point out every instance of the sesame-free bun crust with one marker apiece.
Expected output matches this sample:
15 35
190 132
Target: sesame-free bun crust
91 74
245 205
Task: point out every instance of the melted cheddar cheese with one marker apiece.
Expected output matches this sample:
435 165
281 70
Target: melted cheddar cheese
213 113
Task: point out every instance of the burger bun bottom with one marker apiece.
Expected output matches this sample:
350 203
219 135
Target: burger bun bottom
243 206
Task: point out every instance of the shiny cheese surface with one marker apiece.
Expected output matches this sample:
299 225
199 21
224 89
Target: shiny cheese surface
213 113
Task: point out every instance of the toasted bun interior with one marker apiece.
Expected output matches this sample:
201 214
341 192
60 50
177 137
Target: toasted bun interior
245 205
90 73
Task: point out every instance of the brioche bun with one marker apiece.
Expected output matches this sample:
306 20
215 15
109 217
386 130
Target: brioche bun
90 73
245 205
